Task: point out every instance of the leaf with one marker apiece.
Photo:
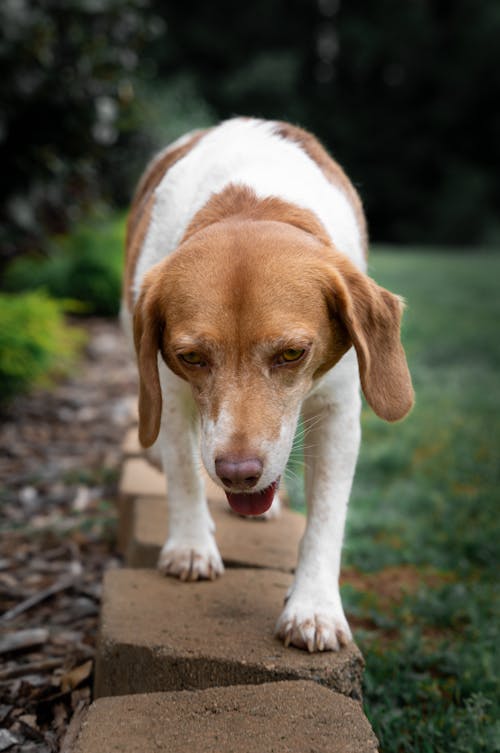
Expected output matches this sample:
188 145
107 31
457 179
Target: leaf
76 676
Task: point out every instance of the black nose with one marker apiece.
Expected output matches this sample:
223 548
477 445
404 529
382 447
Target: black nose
241 472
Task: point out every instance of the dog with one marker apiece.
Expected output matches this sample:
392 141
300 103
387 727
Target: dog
248 303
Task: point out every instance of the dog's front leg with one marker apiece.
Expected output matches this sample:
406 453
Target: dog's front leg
190 551
313 617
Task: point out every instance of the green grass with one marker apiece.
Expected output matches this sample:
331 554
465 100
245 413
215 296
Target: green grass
426 497
429 483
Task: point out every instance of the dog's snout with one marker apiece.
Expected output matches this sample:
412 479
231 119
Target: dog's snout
239 472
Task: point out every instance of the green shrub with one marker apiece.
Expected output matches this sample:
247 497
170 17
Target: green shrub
35 341
84 266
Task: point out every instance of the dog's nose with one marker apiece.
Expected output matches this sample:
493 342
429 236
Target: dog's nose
240 472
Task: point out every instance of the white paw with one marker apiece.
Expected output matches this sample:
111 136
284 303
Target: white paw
316 626
191 561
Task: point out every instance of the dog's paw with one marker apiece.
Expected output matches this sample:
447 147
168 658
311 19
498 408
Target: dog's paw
191 561
315 628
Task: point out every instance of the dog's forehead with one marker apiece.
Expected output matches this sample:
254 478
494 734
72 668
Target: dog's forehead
252 310
246 275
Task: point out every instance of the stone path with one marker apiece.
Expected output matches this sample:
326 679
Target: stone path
195 666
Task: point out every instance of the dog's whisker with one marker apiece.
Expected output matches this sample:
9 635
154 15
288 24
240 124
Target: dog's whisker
294 463
310 424
294 483
311 420
309 447
307 431
296 460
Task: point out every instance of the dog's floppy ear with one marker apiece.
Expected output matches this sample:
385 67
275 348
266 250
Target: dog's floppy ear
148 330
372 318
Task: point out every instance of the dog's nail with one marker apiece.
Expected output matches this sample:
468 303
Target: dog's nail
342 638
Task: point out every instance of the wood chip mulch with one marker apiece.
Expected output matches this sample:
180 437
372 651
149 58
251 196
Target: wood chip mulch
60 453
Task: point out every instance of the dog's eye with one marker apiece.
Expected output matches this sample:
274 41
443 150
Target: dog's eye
193 358
290 355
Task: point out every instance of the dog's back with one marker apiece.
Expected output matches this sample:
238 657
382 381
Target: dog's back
272 158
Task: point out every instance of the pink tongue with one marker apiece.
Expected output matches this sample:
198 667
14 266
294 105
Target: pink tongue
252 504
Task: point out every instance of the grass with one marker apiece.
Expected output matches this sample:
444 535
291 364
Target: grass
424 517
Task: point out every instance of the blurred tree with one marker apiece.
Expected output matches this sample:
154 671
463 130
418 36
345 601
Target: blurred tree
415 90
67 95
404 94
244 59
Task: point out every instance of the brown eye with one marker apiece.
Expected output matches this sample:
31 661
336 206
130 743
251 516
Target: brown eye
290 355
193 358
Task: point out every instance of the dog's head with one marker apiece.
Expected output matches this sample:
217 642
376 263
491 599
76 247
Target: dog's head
251 314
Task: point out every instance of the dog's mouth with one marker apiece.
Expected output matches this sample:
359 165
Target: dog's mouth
253 503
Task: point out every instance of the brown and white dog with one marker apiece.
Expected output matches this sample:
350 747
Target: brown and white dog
247 299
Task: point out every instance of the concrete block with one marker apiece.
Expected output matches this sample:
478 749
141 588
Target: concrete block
140 477
158 634
131 446
137 477
283 716
132 404
247 542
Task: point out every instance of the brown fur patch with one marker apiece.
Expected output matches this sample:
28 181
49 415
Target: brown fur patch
372 317
242 203
133 245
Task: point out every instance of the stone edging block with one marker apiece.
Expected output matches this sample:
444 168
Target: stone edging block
158 634
283 716
243 542
137 477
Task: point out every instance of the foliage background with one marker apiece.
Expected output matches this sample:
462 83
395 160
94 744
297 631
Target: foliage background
404 94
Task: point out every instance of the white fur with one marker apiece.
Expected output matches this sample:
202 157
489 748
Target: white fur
190 551
313 617
216 437
250 152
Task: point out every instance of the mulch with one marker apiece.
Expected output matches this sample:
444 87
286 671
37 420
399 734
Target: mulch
60 454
